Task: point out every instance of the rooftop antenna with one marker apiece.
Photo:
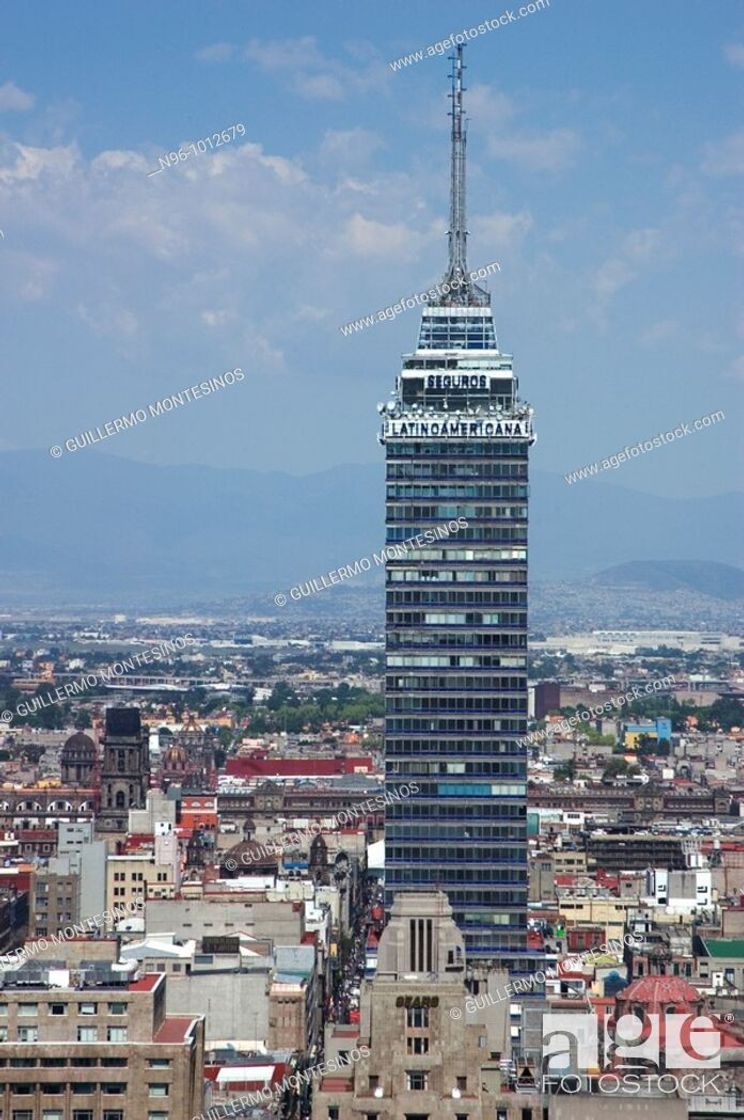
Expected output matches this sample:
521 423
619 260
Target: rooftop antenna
462 289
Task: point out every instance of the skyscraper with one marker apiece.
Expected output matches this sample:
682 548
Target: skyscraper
457 438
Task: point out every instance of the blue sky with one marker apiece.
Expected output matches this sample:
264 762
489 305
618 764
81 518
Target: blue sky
605 157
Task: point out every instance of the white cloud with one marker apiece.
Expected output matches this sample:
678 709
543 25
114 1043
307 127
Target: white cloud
734 53
33 163
501 229
350 146
488 106
611 276
109 319
641 244
217 52
14 99
637 247
725 157
319 87
660 331
311 74
737 368
550 151
369 238
216 317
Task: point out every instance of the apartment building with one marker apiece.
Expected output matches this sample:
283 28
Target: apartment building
93 1044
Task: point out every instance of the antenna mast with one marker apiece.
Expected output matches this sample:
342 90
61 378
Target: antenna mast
462 290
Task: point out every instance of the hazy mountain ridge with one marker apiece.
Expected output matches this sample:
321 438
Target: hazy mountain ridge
722 581
94 525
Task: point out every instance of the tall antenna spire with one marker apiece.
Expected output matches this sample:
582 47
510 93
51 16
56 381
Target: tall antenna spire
462 289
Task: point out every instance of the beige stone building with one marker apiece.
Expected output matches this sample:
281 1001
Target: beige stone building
431 1055
136 876
92 1044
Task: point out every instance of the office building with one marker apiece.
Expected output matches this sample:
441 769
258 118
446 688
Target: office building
457 436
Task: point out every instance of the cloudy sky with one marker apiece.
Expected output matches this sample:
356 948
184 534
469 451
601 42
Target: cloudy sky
605 158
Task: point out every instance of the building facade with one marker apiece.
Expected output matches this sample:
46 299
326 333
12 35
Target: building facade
95 1045
125 771
457 439
423 1049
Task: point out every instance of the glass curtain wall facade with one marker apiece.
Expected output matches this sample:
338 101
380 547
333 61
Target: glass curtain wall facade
456 441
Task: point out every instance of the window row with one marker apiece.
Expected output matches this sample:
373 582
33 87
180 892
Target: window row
510 768
432 470
441 725
430 597
455 661
397 511
396 702
454 575
458 682
433 814
405 748
454 449
456 618
409 639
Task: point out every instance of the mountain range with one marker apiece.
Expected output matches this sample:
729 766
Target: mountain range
97 529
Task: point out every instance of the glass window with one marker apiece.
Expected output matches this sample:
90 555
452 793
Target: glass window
117 1009
85 1087
116 1034
28 1034
417 1017
88 1008
87 1034
28 1009
416 1079
159 1063
158 1090
57 1008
